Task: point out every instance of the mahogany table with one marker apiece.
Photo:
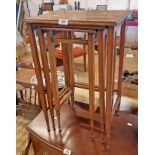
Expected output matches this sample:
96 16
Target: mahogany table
93 22
75 135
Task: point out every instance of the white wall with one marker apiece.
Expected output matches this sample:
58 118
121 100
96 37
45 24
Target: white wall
91 4
112 4
131 36
122 4
118 4
88 4
33 7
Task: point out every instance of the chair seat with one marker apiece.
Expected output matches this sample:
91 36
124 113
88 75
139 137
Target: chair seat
77 51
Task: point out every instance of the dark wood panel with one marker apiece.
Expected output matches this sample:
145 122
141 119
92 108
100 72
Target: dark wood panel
41 148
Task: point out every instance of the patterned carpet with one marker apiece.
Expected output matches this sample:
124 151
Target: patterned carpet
22 135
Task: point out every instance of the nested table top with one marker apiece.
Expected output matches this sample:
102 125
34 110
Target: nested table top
81 17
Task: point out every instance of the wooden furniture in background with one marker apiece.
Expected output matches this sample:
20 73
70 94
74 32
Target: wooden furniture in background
63 1
92 22
28 104
47 6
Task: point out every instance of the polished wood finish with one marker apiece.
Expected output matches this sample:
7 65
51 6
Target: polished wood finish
91 76
121 55
71 41
81 17
85 58
65 60
96 22
46 74
110 50
113 67
101 66
53 70
38 73
67 29
75 135
71 68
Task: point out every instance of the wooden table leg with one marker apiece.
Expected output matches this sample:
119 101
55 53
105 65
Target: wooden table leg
85 58
91 76
121 60
65 60
113 69
38 73
52 59
101 66
71 68
45 64
66 63
109 78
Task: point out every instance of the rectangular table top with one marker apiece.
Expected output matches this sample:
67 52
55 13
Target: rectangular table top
75 134
81 17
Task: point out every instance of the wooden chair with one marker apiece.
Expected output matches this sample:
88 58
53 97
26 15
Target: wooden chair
27 108
28 102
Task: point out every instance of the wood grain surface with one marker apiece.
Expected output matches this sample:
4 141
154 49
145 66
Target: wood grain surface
81 17
75 135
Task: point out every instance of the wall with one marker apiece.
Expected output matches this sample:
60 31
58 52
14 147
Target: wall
112 4
91 4
88 4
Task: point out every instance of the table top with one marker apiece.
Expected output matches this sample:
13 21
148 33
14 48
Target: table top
81 17
75 134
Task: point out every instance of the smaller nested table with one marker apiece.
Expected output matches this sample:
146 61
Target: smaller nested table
93 22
